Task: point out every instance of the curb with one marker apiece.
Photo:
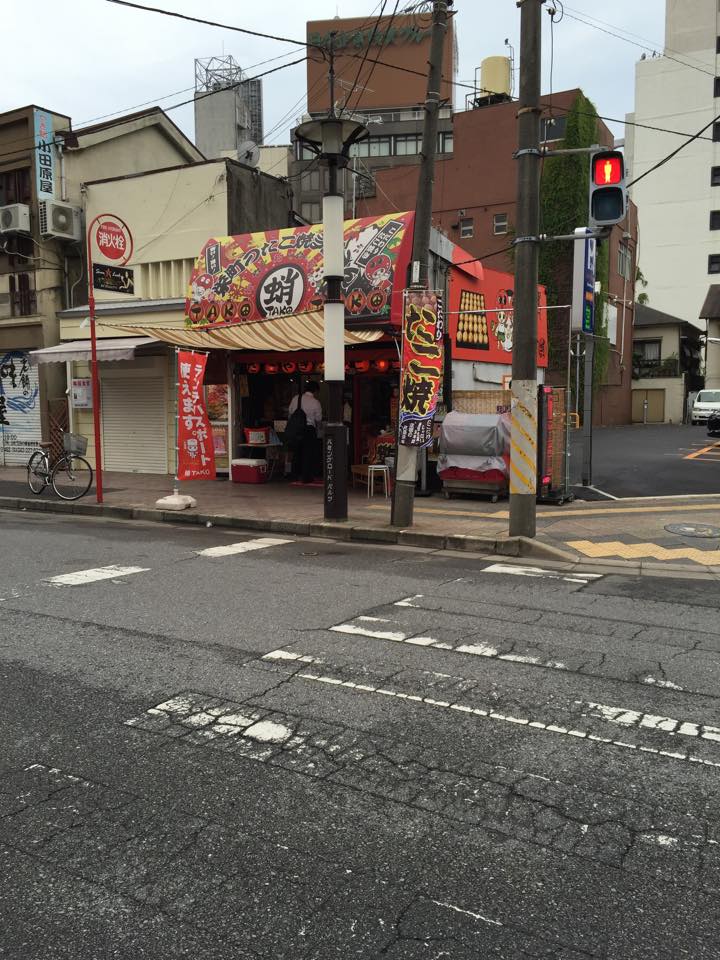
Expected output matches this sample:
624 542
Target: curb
506 546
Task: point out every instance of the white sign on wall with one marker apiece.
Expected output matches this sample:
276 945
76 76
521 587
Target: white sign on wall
19 407
82 393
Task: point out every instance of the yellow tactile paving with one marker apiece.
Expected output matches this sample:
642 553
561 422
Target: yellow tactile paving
567 513
639 551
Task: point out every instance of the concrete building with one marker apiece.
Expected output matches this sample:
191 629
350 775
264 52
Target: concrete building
43 164
474 203
679 203
228 109
389 99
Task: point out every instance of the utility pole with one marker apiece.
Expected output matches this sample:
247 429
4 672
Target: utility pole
407 459
523 438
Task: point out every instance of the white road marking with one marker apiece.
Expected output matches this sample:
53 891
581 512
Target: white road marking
408 601
474 649
505 718
668 684
668 840
467 913
520 571
289 655
265 731
635 718
81 577
245 547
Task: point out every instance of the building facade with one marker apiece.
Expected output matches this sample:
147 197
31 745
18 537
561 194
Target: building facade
387 96
679 202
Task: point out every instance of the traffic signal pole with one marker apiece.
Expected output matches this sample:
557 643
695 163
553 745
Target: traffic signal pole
523 437
403 500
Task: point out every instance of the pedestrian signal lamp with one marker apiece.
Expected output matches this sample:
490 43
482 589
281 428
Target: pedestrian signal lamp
608 195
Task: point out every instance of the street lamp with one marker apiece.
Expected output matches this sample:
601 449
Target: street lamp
331 138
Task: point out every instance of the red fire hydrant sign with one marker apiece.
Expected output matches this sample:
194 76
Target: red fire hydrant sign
196 459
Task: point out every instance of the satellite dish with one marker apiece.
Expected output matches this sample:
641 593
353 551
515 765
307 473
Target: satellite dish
249 153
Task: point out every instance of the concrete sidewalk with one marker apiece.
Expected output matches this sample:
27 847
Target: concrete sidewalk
630 533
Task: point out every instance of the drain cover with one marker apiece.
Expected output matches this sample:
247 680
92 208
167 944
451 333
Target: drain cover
702 530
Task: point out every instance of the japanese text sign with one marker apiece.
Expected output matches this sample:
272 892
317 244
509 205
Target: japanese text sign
279 273
422 366
113 239
196 460
45 150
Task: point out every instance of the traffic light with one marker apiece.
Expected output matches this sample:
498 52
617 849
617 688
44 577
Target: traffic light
608 196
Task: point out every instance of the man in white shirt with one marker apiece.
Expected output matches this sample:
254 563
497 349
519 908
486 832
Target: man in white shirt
305 461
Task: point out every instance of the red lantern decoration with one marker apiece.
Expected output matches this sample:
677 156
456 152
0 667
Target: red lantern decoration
271 368
253 368
382 365
305 366
289 366
362 366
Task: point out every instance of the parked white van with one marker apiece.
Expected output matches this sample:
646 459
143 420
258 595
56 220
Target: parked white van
706 402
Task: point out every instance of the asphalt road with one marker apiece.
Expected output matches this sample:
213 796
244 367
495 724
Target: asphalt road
312 750
651 461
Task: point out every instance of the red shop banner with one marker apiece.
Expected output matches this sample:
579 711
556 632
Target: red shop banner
422 366
196 460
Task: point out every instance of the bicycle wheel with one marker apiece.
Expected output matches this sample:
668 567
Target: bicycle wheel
71 477
37 472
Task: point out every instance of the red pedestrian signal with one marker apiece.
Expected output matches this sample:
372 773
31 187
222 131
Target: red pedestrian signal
607 169
608 196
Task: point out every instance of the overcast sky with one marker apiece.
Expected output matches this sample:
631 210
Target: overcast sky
88 58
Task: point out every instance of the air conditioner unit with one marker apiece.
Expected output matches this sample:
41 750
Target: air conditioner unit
15 218
59 220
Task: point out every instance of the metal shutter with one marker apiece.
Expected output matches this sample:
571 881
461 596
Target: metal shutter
134 424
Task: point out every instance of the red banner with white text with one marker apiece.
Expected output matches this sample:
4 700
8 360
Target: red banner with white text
196 460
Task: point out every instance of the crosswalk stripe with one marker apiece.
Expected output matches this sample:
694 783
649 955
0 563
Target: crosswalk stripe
245 546
520 571
80 577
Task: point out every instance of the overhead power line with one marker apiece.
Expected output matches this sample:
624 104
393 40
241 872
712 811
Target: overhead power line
660 163
362 62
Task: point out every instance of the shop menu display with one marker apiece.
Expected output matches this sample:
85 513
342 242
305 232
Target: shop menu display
278 273
216 399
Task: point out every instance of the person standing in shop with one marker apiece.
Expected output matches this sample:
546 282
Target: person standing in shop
305 459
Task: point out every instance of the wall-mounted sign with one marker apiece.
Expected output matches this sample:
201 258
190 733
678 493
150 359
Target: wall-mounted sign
114 279
113 239
45 150
81 393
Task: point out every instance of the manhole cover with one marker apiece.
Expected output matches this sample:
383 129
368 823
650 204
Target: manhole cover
693 530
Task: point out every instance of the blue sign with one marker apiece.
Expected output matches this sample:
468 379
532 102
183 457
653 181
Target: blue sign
45 155
588 292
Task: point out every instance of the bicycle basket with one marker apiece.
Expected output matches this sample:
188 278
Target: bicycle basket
75 443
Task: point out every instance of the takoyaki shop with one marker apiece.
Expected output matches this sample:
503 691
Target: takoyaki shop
255 303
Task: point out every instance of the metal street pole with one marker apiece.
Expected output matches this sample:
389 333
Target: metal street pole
588 409
523 438
94 371
407 456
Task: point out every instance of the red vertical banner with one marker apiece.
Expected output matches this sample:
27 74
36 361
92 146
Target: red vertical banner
422 366
196 460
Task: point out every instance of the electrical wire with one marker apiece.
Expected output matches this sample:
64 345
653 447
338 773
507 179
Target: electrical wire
364 59
675 152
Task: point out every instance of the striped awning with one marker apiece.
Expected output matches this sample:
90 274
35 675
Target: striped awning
299 332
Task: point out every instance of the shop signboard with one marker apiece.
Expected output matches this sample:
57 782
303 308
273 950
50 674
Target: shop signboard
113 279
45 150
196 460
422 366
278 273
81 393
481 313
19 407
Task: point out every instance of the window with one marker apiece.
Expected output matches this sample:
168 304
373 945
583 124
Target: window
716 87
310 212
647 350
22 298
715 219
371 147
304 153
445 142
716 132
407 144
717 44
311 180
552 128
500 224
467 229
715 177
15 187
714 263
624 267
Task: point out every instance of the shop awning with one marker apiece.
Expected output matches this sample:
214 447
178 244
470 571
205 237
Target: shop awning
301 332
117 348
251 278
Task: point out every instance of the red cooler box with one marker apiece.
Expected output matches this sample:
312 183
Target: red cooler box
249 471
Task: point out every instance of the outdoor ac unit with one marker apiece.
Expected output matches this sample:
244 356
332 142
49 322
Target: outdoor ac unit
59 220
15 218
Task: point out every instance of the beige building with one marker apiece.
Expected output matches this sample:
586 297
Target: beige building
170 214
43 165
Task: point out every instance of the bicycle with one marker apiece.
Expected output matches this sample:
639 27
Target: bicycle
70 475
